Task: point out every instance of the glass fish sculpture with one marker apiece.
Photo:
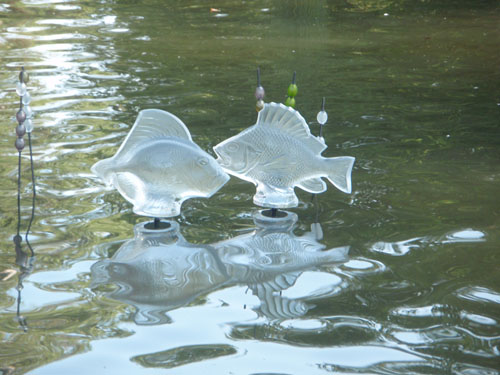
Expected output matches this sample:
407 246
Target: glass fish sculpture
158 166
278 153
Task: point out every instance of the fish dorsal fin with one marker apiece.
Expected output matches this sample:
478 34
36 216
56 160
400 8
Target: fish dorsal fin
290 121
154 124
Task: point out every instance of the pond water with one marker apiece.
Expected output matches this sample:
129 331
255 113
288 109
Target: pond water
412 283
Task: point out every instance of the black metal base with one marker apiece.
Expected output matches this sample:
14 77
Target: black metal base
157 224
274 212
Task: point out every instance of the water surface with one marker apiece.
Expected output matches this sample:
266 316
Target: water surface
411 91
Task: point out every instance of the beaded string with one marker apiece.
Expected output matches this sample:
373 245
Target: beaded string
24 125
259 93
292 92
290 102
322 118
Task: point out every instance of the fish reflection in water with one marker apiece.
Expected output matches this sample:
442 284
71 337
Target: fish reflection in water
159 271
271 258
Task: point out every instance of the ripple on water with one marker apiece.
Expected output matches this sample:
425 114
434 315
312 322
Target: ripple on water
400 248
184 355
314 285
67 7
34 298
397 248
303 324
478 319
479 294
431 311
466 235
70 22
468 369
362 266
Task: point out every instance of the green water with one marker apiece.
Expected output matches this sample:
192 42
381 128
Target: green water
412 91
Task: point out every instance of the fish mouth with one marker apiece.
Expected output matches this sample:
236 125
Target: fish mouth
223 162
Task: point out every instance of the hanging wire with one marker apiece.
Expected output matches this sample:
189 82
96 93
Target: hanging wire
23 260
33 195
19 195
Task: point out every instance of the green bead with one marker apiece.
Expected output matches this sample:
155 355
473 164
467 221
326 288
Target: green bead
290 102
24 76
292 90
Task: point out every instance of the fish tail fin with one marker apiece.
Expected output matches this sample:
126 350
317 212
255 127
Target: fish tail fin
103 169
339 172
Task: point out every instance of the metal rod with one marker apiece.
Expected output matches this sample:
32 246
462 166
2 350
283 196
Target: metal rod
274 212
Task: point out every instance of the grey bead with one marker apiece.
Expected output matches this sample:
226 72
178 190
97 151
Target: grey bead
259 93
20 130
20 144
20 116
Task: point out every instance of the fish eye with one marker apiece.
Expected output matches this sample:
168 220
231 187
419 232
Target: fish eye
203 161
232 147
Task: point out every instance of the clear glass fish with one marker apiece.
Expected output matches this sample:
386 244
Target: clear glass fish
278 153
158 166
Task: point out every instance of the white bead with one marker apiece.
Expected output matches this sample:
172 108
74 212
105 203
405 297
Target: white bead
322 117
21 89
28 124
29 112
26 98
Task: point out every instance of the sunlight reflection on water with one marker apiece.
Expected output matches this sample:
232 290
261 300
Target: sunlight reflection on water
412 95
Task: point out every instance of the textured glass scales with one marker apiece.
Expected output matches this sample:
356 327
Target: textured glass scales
158 166
278 153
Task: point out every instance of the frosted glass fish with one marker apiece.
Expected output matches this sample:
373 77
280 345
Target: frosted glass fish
278 153
158 166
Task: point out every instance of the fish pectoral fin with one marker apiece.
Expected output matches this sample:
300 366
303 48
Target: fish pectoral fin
313 185
278 162
128 185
